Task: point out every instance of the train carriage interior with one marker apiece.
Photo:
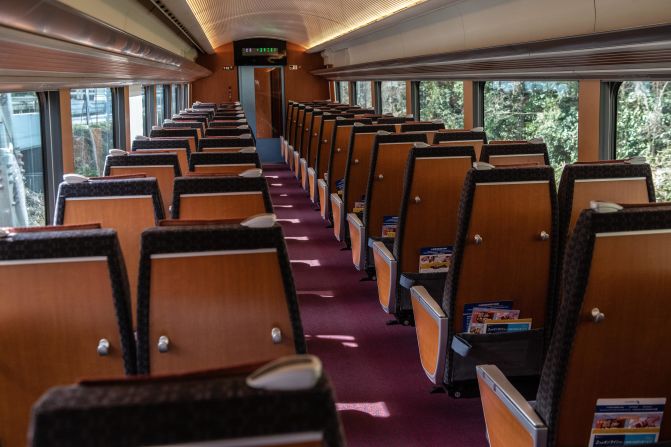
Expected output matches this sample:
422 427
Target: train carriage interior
330 223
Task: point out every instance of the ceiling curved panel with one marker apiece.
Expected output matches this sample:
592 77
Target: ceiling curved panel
306 22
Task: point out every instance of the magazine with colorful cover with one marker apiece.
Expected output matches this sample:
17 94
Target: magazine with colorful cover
468 309
627 421
340 187
480 314
389 224
506 326
359 206
435 259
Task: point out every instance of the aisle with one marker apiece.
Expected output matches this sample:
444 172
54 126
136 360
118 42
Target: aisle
381 389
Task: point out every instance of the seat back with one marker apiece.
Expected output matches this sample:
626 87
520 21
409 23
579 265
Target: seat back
339 148
228 316
219 123
476 139
621 181
515 154
358 162
384 186
222 198
294 119
434 178
615 296
225 144
298 130
171 410
392 120
227 131
129 206
167 146
315 139
428 128
326 135
192 134
223 163
197 126
64 291
163 167
289 121
307 129
506 244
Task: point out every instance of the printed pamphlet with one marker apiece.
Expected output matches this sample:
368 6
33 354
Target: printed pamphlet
435 259
480 314
359 206
505 326
627 421
340 187
468 309
389 224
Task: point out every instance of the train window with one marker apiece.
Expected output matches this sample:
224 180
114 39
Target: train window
644 128
517 110
137 110
175 103
185 92
343 90
392 97
21 164
364 96
442 100
92 128
160 105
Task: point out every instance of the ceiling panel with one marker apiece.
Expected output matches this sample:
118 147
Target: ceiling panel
306 22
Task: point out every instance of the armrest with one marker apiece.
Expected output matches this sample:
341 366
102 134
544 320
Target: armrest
431 328
354 220
311 172
433 282
358 240
386 272
336 198
321 183
510 419
387 241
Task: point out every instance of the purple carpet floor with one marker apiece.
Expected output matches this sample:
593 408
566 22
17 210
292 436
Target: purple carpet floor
382 393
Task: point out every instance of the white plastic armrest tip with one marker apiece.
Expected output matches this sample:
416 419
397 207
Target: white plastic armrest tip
637 160
240 115
244 126
383 132
117 152
482 166
260 221
242 120
358 124
420 144
248 150
290 373
477 129
72 179
156 128
246 135
251 173
438 121
605 207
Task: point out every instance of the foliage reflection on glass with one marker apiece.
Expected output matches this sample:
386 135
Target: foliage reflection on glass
392 96
364 96
442 100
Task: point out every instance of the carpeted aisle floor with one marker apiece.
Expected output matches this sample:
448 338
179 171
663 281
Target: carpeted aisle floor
382 393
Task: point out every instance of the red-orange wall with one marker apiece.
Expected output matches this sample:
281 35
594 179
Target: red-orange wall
299 85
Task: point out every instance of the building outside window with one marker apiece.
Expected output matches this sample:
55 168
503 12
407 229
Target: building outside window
137 110
92 129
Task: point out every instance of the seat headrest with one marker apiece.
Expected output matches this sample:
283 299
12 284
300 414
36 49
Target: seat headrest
290 373
605 207
260 221
251 173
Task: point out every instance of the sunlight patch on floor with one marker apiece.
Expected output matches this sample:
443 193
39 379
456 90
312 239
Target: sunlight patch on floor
309 262
297 238
375 409
295 221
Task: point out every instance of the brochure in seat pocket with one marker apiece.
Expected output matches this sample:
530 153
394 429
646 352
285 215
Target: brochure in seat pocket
480 314
506 326
389 224
359 206
340 187
468 309
627 421
435 259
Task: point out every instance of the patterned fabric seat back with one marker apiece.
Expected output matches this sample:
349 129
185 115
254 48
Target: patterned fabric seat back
515 154
65 314
225 144
223 163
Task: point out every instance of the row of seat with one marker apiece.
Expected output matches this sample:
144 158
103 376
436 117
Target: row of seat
506 229
114 288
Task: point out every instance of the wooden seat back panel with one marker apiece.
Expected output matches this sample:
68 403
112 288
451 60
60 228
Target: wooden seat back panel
386 199
221 205
224 318
314 141
476 144
343 136
231 169
300 122
222 150
52 316
618 190
325 147
512 262
617 352
129 216
517 159
165 177
357 177
307 128
432 222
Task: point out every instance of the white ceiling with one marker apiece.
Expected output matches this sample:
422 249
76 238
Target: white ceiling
308 23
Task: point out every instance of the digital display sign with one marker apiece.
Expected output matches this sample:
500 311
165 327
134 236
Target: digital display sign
260 52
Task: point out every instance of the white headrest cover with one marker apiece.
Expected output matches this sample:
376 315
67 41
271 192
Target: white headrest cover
244 126
420 144
260 221
248 150
251 173
141 137
537 140
117 152
604 207
482 166
156 128
637 160
477 129
72 179
438 121
290 373
383 132
245 135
